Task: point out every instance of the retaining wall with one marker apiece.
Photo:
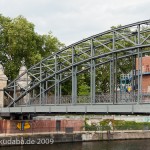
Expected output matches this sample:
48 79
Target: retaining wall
73 137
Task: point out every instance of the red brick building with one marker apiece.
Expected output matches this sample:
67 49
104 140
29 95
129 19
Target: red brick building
145 73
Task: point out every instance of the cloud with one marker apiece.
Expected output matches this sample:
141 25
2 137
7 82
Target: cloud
73 20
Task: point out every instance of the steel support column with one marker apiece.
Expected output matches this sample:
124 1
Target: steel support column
133 57
42 93
74 78
46 94
112 72
33 95
116 94
141 77
40 83
59 86
56 80
111 80
92 74
139 64
14 94
28 99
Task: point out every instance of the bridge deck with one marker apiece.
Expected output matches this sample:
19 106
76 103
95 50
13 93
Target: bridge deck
105 108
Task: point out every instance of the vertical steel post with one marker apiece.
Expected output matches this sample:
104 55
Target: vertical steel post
55 57
133 57
60 92
28 93
74 78
58 87
141 76
46 86
110 86
139 63
136 72
43 93
14 94
40 83
33 96
116 78
112 72
92 74
112 79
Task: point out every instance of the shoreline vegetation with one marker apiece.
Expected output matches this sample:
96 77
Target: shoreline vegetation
111 124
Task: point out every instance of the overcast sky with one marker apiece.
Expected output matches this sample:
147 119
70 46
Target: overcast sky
73 20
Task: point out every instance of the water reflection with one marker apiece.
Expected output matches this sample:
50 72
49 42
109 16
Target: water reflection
101 145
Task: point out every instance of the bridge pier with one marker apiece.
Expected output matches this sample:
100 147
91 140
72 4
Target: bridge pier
3 84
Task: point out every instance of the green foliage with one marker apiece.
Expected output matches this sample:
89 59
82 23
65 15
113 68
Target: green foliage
66 88
103 77
84 89
117 125
124 125
92 127
18 40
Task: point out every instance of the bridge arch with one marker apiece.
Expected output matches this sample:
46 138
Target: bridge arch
110 48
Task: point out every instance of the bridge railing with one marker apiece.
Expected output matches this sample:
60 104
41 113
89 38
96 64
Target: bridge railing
106 98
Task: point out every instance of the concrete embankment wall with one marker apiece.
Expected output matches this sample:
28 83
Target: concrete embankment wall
116 135
73 137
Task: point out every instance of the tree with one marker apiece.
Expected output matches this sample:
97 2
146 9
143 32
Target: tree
18 40
83 87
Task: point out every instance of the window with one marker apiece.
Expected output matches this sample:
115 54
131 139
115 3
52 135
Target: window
147 68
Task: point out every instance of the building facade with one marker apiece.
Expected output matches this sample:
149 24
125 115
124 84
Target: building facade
145 73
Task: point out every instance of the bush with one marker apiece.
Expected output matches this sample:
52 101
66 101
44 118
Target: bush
117 125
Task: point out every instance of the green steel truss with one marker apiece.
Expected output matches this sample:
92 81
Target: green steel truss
47 77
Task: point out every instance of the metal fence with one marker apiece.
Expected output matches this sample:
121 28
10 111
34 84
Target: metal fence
122 98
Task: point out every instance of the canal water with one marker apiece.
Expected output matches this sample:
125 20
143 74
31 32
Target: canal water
101 145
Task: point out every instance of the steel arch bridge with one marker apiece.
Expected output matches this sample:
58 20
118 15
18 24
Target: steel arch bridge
108 54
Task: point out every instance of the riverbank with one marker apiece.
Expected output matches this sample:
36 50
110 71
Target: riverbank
61 137
68 128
